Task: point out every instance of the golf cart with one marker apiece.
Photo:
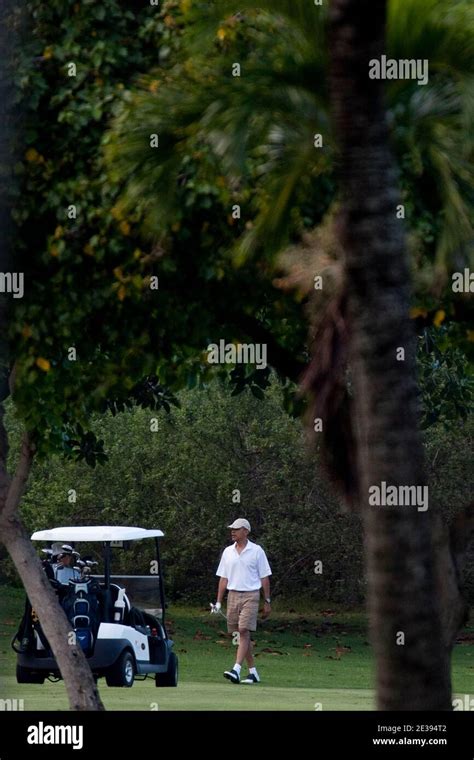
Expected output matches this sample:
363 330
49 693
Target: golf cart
120 641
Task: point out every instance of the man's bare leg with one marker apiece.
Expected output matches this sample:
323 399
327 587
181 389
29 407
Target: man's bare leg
245 646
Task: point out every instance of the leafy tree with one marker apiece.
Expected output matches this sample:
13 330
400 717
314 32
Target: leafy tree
183 477
87 273
213 458
378 439
73 347
276 107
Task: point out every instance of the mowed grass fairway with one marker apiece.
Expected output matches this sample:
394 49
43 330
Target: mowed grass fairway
307 659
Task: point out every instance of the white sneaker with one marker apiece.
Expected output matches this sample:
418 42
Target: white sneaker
251 678
232 676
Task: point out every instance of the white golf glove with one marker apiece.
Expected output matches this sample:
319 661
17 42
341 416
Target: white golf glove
215 608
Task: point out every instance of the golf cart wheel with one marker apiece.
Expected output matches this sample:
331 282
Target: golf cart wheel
170 678
122 672
25 675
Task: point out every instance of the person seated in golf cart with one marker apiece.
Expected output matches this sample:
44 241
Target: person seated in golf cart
47 564
65 570
51 560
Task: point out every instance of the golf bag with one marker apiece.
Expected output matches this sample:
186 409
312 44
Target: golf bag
81 604
25 640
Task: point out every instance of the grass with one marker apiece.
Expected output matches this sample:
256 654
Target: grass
307 660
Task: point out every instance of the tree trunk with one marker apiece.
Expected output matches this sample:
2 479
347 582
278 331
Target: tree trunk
451 545
81 689
402 595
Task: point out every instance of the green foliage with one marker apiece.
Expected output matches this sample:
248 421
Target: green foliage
88 278
267 117
446 378
256 380
85 276
258 129
183 479
87 447
224 141
450 467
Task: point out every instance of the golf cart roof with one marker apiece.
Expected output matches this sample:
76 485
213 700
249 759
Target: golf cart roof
95 533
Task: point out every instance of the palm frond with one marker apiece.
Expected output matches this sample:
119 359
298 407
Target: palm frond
204 18
269 114
258 128
429 125
431 29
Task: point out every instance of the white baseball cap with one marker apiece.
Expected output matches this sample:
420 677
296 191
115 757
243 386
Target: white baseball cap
56 548
241 522
67 549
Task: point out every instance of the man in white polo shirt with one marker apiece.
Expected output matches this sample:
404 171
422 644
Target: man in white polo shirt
243 571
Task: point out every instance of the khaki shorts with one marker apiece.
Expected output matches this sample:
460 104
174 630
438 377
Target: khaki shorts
242 610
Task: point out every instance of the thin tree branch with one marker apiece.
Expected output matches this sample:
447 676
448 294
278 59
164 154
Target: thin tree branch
20 479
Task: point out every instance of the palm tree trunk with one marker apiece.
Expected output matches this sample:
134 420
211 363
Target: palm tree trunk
412 664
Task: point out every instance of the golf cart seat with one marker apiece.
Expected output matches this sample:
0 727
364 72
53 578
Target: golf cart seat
115 604
120 603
